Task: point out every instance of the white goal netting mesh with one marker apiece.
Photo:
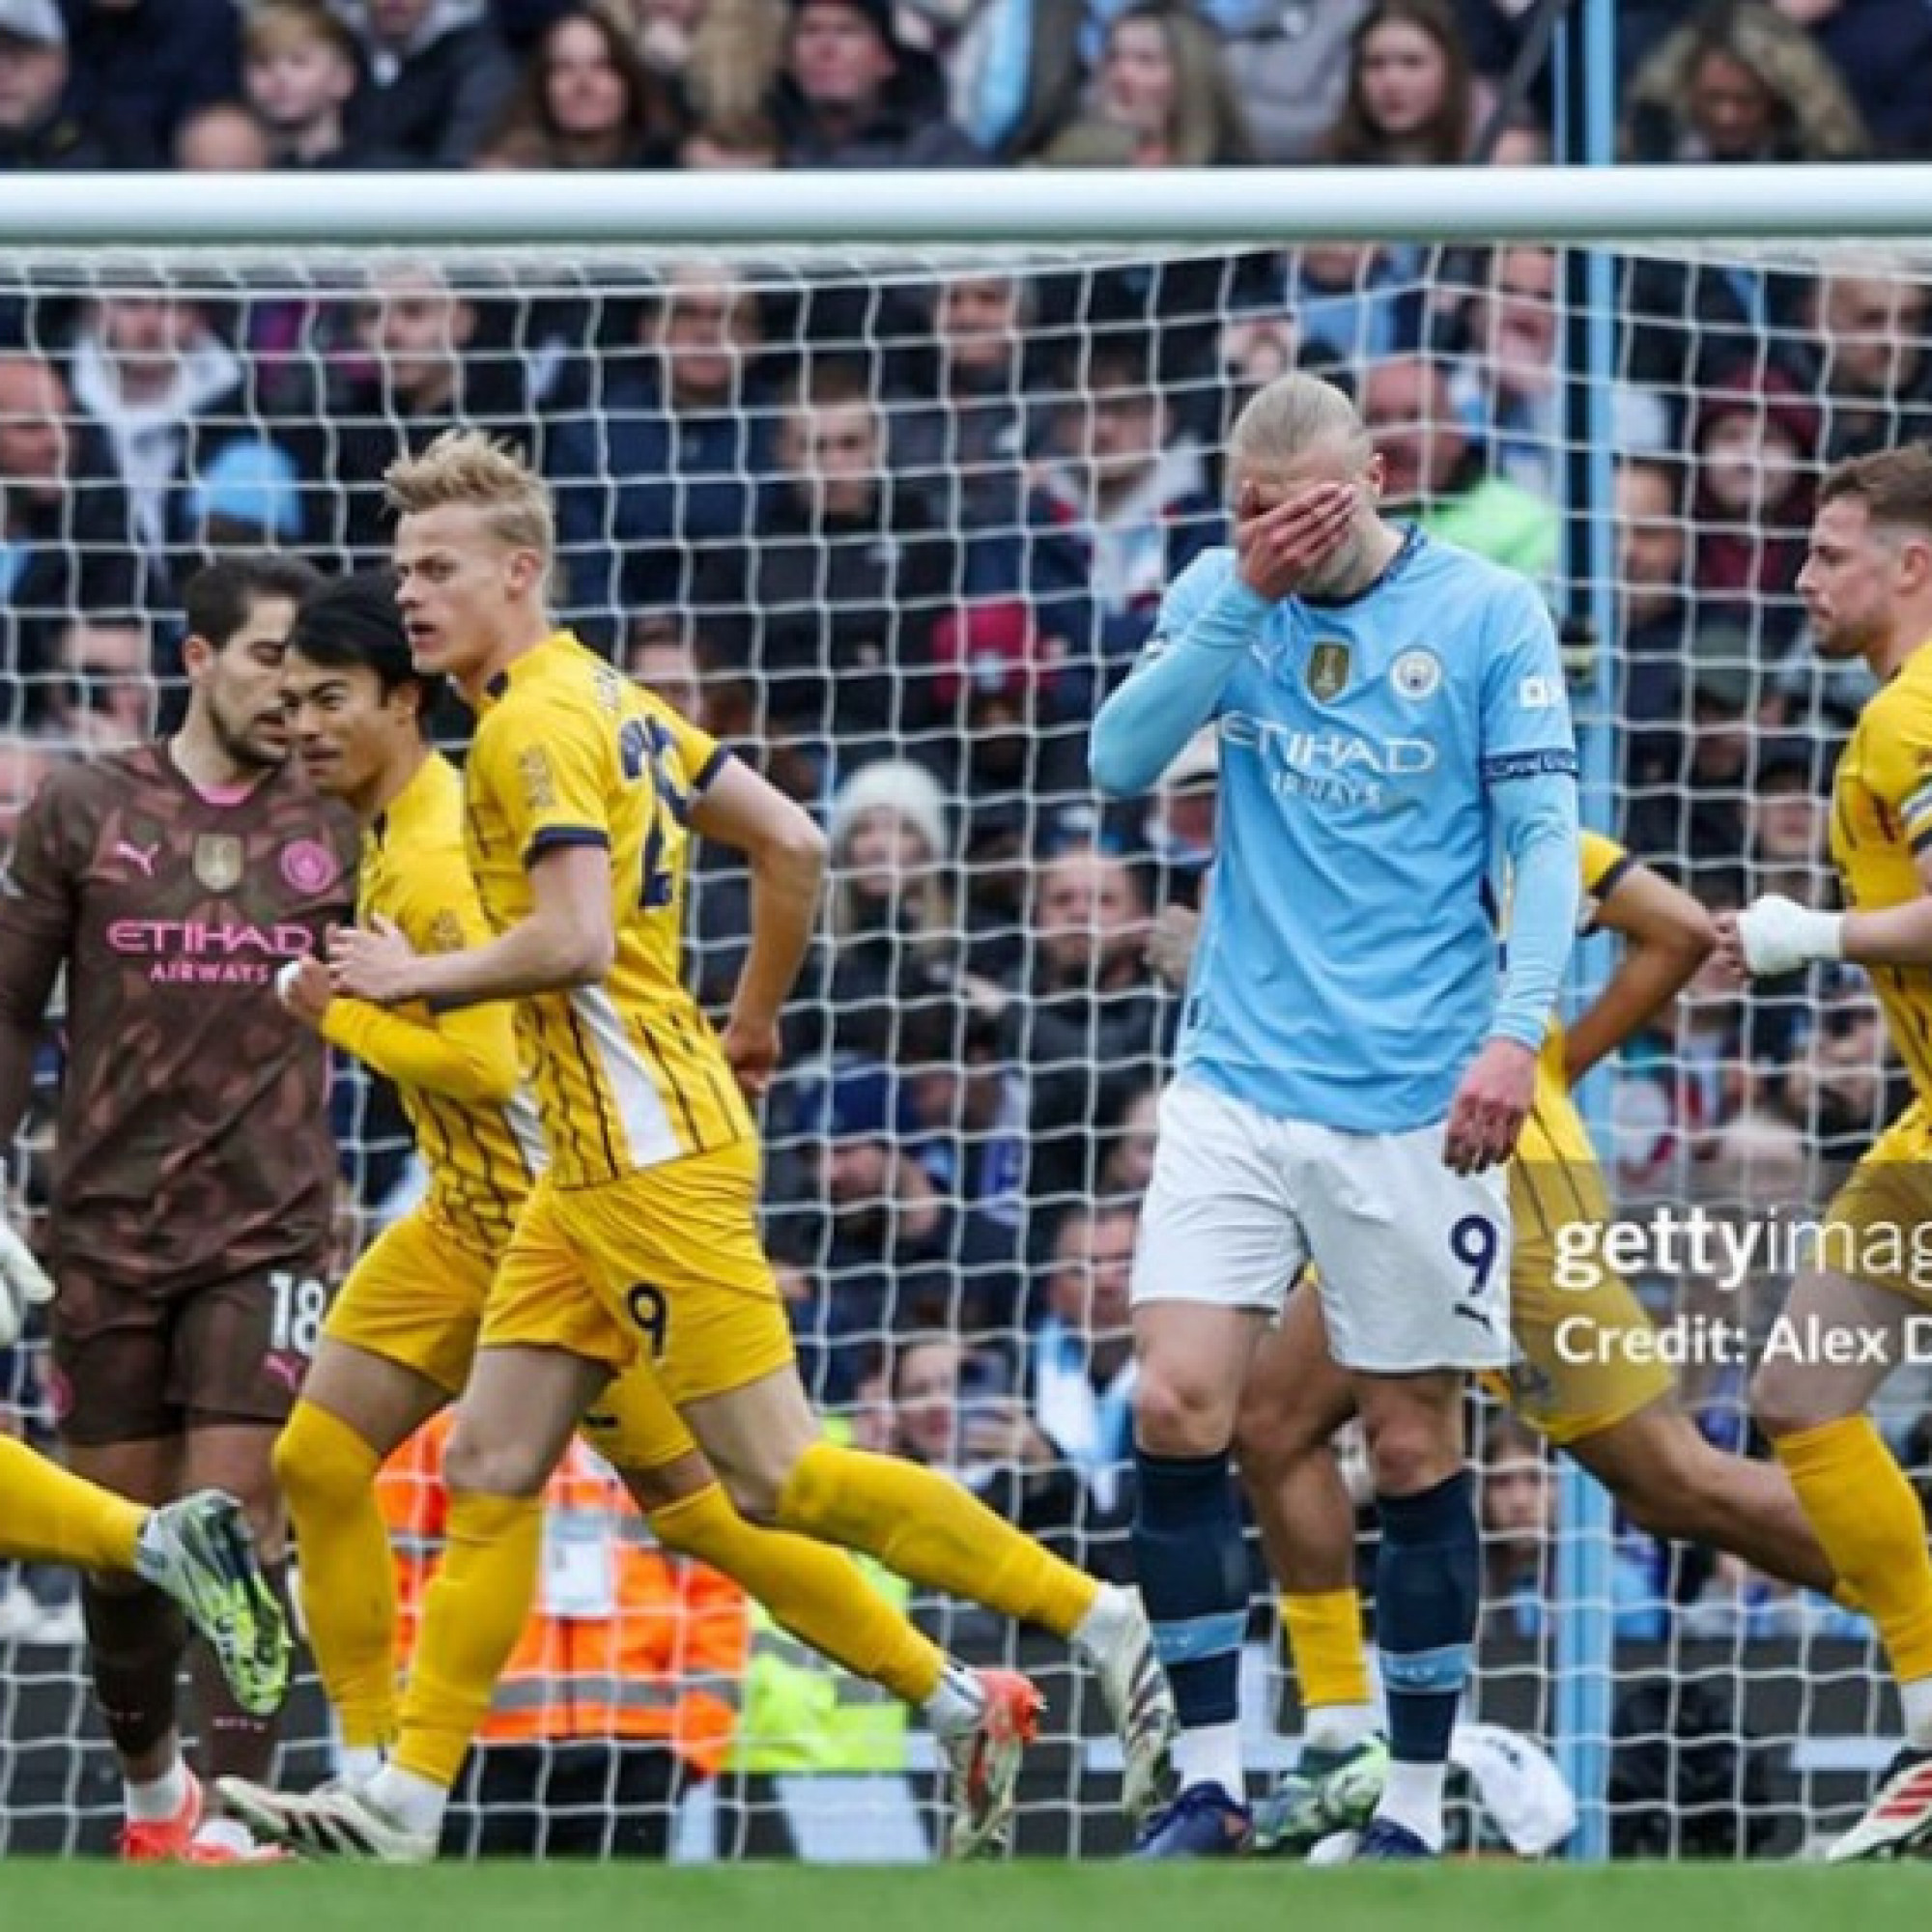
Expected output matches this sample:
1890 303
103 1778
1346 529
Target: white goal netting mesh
893 524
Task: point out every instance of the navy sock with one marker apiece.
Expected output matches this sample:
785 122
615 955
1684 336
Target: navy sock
1193 1573
1428 1592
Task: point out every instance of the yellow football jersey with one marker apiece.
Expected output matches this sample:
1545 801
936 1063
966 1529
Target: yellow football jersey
1881 821
629 1073
482 1152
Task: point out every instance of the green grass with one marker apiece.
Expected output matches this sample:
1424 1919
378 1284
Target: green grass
44 1895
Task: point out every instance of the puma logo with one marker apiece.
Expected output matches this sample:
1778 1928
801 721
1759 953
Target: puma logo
143 855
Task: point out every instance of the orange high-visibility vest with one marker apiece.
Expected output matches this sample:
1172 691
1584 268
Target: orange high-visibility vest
625 1641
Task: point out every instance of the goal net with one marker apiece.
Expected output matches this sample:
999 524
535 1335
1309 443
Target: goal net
891 523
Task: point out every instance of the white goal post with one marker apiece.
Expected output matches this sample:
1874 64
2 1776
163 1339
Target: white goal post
1017 581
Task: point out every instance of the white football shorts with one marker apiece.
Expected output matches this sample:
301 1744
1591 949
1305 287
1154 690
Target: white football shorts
1412 1259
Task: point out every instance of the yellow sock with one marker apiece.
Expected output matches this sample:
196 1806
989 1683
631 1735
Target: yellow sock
328 1474
814 1591
1869 1522
472 1615
48 1515
935 1533
1325 1644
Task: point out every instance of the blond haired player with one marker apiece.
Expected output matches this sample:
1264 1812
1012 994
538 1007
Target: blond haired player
1585 1378
640 1242
401 1335
1867 588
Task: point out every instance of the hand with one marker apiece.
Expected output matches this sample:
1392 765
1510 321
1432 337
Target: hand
1775 935
302 986
1169 944
987 998
378 964
23 1284
1491 1105
1277 550
752 1046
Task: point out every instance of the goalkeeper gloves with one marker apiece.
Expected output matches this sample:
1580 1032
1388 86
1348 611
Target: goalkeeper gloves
1778 935
23 1284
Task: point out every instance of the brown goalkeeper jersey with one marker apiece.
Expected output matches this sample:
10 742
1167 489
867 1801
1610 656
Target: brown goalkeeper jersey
193 1139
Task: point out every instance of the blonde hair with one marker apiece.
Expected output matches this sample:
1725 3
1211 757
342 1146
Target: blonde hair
465 469
1286 416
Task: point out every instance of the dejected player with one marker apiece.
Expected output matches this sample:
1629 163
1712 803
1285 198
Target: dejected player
195 1174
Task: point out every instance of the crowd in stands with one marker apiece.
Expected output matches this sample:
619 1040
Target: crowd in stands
895 539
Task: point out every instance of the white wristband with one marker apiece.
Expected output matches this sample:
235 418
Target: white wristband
286 974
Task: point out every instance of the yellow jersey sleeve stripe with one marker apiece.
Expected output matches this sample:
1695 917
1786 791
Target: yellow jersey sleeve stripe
1917 804
1606 884
1922 839
701 778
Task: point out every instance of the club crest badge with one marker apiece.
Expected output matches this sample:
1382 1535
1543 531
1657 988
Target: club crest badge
1417 674
217 861
1327 670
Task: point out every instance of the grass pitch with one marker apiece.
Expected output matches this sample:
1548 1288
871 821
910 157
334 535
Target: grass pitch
49 1895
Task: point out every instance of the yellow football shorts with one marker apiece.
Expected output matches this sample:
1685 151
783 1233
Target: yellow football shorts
1872 1229
417 1298
1586 1360
664 1266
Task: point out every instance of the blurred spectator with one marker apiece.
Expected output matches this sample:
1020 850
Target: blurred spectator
1289 62
587 101
1082 1363
104 688
225 138
1869 367
66 532
1127 1167
1740 82
955 1409
1176 842
724 62
434 77
1360 301
894 1252
424 367
1755 441
1882 51
891 934
298 65
1654 615
852 95
26 758
39 130
143 67
1086 1024
169 396
1789 822
1835 1088
1509 387
1164 98
829 596
1433 469
970 1106
1410 101
624 1684
1125 508
659 476
964 417
1016 72
732 142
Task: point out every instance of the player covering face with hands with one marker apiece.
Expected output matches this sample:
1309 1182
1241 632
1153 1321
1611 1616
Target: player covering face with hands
1390 710
1867 588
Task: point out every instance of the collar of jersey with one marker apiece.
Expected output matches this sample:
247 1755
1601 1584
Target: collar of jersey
412 799
527 665
1411 543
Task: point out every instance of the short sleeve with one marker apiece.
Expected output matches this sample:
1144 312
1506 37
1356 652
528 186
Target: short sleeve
549 769
1898 764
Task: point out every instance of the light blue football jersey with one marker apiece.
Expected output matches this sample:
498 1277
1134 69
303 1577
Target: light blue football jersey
1346 971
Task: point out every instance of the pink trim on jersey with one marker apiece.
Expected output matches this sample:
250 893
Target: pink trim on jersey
225 795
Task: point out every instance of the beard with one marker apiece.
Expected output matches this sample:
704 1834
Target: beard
236 745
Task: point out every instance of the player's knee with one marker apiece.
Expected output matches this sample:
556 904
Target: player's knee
483 1465
1272 1440
1412 1451
1178 1413
1781 1403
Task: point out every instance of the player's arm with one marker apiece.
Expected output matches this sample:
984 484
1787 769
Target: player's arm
786 852
553 781
1208 619
1666 935
37 922
1529 778
1774 934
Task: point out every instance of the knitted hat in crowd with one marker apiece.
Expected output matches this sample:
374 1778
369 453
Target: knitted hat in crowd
892 784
